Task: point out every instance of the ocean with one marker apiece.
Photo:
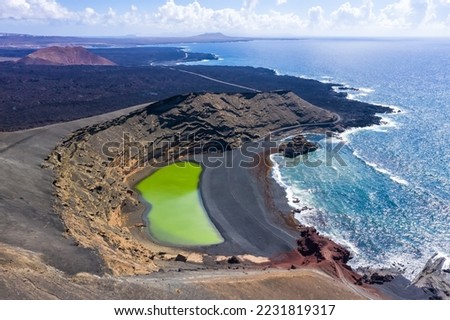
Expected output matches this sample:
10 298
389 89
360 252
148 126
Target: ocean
390 202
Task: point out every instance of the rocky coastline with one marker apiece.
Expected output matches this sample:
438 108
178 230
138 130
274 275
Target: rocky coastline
108 216
101 213
296 147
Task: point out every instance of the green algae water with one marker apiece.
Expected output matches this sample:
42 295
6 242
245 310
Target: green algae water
177 215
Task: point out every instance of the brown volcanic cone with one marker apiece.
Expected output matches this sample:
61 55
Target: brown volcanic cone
65 56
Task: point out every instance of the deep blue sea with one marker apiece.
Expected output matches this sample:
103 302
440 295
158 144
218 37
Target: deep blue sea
390 204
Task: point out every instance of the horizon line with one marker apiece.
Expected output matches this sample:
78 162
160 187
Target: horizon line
223 35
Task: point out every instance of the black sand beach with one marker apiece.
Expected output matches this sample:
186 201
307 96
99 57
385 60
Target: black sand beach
236 200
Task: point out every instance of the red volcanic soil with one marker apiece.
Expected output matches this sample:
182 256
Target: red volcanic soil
65 56
316 251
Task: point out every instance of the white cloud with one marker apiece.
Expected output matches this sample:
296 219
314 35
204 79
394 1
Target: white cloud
402 17
396 15
436 20
133 16
438 11
173 13
350 17
250 5
430 14
347 15
243 20
90 17
316 17
33 9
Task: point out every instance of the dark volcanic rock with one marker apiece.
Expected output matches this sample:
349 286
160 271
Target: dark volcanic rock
307 244
431 283
298 146
233 260
180 258
348 88
315 250
38 95
377 278
312 245
341 254
66 56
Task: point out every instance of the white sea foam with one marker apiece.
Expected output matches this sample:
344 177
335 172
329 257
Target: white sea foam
277 73
379 169
293 194
276 172
386 124
408 264
346 135
395 109
326 80
398 179
366 90
361 92
302 199
192 62
413 265
312 216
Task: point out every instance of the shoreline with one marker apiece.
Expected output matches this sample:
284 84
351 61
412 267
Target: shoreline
167 263
329 258
276 200
388 281
397 288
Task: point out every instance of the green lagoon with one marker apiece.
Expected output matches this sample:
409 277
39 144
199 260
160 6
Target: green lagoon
177 215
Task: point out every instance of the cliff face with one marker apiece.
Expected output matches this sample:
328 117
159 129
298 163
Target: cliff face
65 56
92 167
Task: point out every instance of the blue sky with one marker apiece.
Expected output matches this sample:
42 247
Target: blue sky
232 17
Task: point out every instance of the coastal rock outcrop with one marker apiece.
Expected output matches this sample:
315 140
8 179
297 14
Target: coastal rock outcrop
66 56
377 278
315 248
96 166
434 279
298 146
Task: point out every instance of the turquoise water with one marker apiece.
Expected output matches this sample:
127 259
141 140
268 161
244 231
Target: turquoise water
391 203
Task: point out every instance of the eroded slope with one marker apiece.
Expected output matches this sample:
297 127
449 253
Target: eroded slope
93 167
